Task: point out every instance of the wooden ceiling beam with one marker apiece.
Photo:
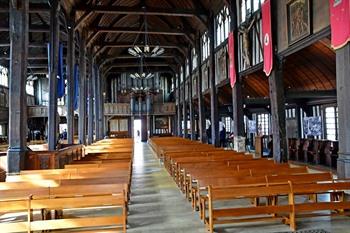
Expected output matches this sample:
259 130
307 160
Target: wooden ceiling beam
100 9
33 8
133 30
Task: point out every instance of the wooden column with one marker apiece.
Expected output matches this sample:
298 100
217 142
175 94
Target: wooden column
148 116
190 100
70 81
102 81
343 96
278 115
90 99
82 89
97 102
237 97
215 140
201 113
176 133
184 103
179 125
19 13
54 47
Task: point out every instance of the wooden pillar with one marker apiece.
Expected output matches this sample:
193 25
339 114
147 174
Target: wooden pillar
97 102
201 113
215 140
237 97
70 80
184 104
102 80
19 11
278 115
148 116
343 95
54 47
82 89
176 105
190 101
179 125
90 99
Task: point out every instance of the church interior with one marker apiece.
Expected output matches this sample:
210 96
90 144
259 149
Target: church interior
175 116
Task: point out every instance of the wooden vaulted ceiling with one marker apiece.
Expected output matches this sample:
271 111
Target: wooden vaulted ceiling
175 29
310 69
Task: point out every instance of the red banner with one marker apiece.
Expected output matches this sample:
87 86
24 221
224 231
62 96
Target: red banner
340 22
231 54
267 36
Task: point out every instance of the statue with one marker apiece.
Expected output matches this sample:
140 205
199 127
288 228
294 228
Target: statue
244 30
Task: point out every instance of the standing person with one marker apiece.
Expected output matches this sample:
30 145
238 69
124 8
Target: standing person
208 132
223 137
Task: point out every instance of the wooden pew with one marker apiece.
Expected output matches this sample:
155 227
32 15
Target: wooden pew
248 213
68 197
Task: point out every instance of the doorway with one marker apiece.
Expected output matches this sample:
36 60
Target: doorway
137 125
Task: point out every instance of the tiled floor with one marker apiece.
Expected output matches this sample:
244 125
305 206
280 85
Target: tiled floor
157 205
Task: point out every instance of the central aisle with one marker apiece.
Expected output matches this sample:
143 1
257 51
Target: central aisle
156 202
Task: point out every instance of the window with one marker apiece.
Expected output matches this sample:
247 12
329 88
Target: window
4 77
187 68
248 7
181 74
228 124
2 130
194 59
222 26
263 124
30 88
205 46
290 113
331 120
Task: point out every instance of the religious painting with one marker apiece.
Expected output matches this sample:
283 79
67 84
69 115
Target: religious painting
312 126
162 123
298 19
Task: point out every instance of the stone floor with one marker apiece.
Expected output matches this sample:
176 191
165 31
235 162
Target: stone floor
157 205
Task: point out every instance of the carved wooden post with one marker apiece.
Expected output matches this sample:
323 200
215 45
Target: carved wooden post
278 115
343 95
17 86
54 48
184 104
82 89
70 80
237 97
90 100
97 102
190 101
179 125
201 113
214 111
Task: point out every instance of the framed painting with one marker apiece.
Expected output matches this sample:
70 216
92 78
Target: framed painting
298 12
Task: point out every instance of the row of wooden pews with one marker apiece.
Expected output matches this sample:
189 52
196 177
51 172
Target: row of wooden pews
90 194
227 187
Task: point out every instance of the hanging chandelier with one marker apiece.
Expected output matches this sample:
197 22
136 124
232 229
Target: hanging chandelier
145 50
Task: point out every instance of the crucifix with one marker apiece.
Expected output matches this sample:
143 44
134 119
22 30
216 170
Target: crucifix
244 30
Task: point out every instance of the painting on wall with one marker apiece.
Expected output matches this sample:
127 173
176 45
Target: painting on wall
162 123
298 19
312 126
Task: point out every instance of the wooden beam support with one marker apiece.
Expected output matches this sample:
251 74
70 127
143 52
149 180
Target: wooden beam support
54 48
190 101
135 30
33 8
343 95
70 81
179 115
201 113
184 103
101 93
215 140
237 97
82 89
17 87
122 10
90 99
278 115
